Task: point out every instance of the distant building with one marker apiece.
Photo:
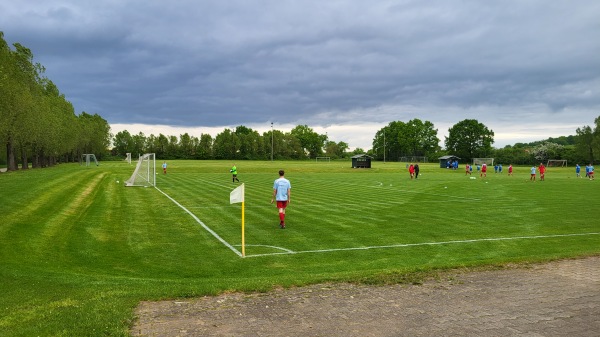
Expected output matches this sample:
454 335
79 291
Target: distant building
361 161
448 161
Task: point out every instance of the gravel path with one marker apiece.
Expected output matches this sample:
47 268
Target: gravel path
560 298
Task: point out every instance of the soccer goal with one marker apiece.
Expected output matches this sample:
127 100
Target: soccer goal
413 159
556 163
87 158
323 159
145 172
487 161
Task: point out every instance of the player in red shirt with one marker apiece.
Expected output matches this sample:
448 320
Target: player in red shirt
483 170
510 170
542 169
411 170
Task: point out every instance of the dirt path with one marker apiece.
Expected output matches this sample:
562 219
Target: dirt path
560 298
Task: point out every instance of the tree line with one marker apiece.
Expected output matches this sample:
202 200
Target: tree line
244 143
38 124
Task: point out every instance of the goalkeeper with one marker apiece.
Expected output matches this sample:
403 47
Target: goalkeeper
234 174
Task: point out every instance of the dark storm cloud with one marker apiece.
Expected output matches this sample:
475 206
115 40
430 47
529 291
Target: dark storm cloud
212 63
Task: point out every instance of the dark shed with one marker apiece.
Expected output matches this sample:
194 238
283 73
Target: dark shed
445 159
361 161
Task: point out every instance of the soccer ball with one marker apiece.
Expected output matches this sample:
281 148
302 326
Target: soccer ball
230 171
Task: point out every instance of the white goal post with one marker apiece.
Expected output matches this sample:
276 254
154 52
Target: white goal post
413 159
145 172
322 159
487 161
556 163
87 159
128 158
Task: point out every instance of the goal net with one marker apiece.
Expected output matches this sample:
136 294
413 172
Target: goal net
557 163
413 159
323 159
88 158
487 161
128 158
145 172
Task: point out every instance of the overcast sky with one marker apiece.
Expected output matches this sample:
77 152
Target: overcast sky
527 69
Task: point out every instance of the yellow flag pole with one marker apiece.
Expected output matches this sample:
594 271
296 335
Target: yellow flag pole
243 239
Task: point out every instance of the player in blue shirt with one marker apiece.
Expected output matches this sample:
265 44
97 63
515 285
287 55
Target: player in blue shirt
578 170
282 189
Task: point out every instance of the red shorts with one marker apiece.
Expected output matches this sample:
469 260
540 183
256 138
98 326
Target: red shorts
591 173
282 204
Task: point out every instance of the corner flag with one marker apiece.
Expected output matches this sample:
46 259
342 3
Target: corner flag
237 195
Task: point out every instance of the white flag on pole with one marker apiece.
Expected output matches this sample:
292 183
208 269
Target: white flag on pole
237 195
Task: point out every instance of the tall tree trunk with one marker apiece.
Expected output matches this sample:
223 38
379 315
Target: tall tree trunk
10 156
24 162
35 160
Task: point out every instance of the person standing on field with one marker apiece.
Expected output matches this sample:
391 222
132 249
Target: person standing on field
542 172
533 170
164 166
483 173
578 171
591 172
234 173
282 189
411 170
510 170
416 171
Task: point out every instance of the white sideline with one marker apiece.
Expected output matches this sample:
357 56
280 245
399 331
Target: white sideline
426 244
202 224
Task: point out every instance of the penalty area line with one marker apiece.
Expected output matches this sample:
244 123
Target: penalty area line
426 244
202 223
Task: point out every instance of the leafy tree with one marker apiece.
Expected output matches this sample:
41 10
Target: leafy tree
546 151
310 141
335 150
588 140
186 146
397 139
418 138
123 143
358 150
469 139
205 146
250 143
386 144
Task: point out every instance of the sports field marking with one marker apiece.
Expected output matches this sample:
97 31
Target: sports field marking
202 223
274 247
422 244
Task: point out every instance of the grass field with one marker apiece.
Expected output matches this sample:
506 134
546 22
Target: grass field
78 250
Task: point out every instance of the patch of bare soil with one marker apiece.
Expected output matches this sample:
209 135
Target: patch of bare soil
554 299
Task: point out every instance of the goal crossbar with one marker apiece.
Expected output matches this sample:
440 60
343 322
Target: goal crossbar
556 163
487 161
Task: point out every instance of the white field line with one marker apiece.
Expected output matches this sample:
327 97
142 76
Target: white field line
202 224
423 244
